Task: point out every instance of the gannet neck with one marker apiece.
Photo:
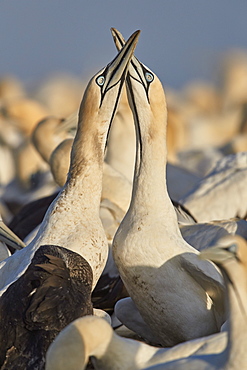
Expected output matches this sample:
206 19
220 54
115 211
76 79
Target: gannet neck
86 166
150 177
89 143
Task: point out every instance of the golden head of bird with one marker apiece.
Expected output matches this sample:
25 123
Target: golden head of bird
100 100
145 92
230 254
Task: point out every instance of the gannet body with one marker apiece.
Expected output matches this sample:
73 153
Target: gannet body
178 297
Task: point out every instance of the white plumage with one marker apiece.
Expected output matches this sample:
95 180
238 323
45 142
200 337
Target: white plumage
178 297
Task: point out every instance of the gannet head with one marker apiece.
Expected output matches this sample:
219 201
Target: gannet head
145 91
230 254
228 248
103 91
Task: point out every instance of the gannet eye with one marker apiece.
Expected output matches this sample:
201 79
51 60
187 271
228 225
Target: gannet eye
149 77
232 248
100 80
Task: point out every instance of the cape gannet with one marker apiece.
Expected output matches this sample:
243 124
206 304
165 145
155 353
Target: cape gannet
230 254
178 296
72 220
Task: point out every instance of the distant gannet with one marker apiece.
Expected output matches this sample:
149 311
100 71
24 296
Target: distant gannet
222 194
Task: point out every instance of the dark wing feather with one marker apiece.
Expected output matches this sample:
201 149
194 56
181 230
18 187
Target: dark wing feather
54 290
58 296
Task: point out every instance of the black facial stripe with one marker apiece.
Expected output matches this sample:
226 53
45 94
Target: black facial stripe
147 82
115 106
119 39
115 70
144 82
106 87
109 88
135 112
102 97
134 78
104 92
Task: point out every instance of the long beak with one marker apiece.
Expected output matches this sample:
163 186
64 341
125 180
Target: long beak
137 70
113 73
216 254
7 236
120 42
117 69
118 38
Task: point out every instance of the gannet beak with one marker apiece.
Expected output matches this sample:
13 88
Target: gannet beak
221 252
118 38
137 70
117 69
109 77
115 73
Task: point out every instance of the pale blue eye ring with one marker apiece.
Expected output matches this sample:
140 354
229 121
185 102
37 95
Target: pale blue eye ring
100 80
149 77
233 248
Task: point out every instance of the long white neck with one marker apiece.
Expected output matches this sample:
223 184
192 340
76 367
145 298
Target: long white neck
86 166
149 185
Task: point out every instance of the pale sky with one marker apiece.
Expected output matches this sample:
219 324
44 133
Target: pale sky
181 40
